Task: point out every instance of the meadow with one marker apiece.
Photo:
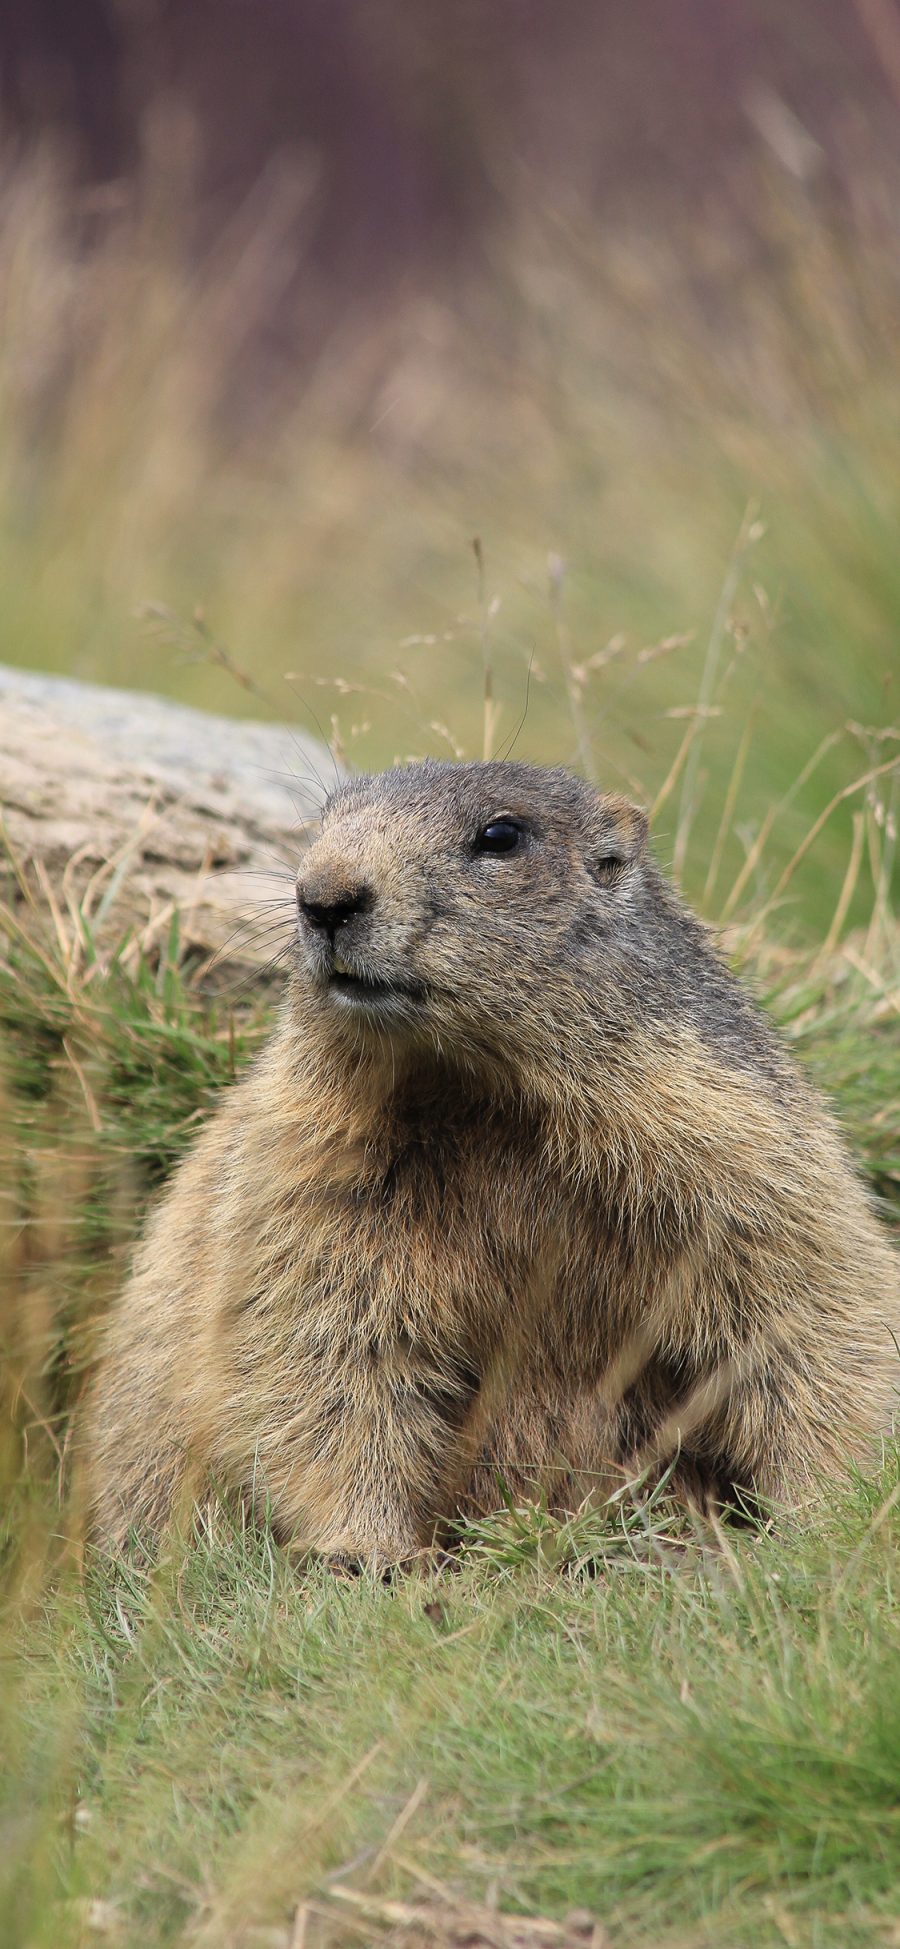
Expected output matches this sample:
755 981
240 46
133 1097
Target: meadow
685 583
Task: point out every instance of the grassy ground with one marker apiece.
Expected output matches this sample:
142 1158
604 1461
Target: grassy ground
698 1742
701 1748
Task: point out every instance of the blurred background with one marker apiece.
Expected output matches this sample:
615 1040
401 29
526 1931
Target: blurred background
462 375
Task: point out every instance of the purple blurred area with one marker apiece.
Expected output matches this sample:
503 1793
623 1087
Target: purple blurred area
417 124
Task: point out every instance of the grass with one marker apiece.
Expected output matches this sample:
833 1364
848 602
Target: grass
698 1747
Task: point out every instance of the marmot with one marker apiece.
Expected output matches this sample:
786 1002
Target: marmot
524 1189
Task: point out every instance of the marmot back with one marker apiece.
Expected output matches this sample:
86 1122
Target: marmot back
523 1186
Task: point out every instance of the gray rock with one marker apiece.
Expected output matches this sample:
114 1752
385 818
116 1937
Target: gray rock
130 806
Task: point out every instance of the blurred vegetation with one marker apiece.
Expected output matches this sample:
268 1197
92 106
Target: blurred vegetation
676 445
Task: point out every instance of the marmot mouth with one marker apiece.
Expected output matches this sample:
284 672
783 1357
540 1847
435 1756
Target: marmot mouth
367 988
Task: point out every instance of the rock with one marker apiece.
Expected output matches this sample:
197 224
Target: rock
129 806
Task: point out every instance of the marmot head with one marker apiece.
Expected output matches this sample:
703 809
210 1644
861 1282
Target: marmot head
481 908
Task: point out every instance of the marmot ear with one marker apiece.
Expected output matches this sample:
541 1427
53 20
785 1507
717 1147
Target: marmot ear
622 838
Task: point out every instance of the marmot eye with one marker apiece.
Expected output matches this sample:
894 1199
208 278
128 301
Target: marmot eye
499 836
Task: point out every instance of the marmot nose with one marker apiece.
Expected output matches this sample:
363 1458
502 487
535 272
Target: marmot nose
326 915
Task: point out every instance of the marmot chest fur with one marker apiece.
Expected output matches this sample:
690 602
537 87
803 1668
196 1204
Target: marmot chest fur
524 1186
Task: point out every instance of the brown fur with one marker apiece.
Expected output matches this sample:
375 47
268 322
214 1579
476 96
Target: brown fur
550 1202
